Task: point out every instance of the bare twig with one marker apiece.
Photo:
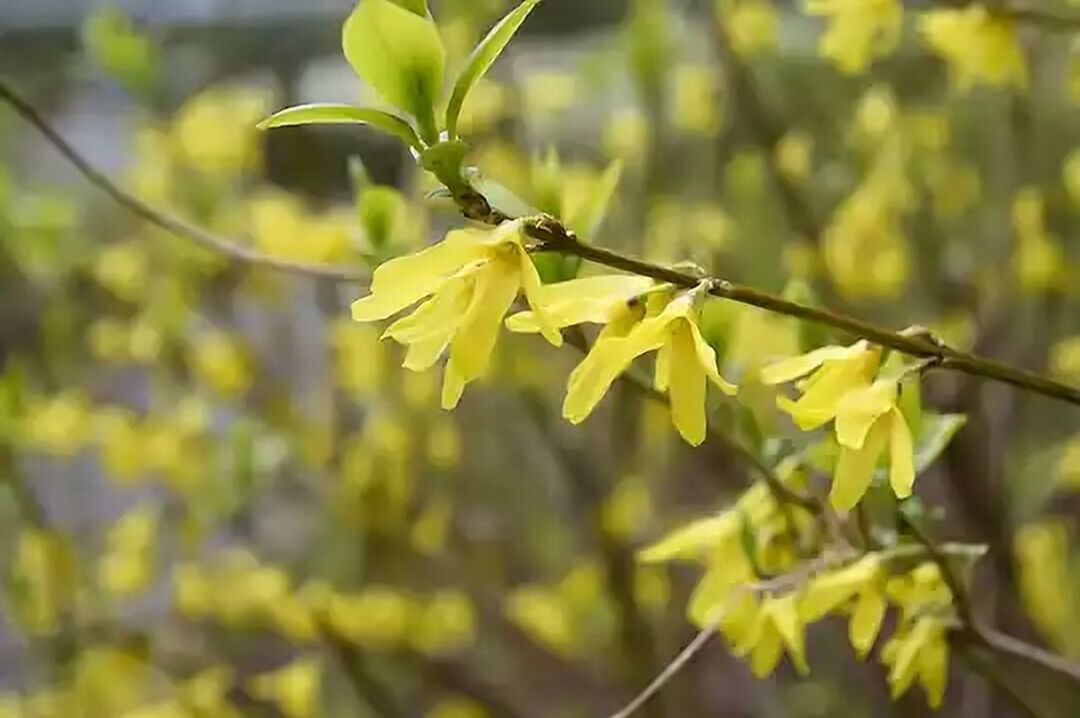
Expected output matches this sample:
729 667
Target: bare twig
175 225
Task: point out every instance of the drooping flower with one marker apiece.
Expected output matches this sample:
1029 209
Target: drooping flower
664 323
867 418
472 277
979 48
919 651
858 586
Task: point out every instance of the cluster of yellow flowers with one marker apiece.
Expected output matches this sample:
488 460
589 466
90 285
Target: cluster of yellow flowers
473 277
762 625
980 48
238 590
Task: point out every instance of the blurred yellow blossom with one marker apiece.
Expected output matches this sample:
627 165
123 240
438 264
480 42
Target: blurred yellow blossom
695 105
445 624
122 444
215 130
752 25
221 361
295 689
546 93
858 31
626 135
1038 259
124 269
919 650
794 153
457 708
59 425
1068 465
283 227
43 580
127 567
1047 586
979 48
1065 359
358 358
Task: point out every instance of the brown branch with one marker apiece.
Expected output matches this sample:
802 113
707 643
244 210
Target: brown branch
229 248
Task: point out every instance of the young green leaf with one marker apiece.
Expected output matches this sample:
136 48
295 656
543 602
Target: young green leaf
326 113
397 51
482 59
588 216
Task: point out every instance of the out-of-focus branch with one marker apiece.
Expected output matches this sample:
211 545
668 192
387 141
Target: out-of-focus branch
223 246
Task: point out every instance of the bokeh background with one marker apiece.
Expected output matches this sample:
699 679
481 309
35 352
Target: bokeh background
219 496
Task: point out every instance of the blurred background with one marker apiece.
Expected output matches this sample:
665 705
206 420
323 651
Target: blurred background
219 496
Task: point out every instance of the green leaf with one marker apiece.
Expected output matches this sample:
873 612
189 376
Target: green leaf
591 213
935 434
397 50
482 59
330 114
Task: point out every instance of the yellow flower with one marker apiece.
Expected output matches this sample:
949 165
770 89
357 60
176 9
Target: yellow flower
867 416
127 567
472 277
752 26
776 627
684 361
919 651
294 689
858 586
836 370
222 362
868 420
858 30
979 48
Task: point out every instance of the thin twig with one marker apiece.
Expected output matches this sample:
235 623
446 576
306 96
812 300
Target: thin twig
171 223
551 235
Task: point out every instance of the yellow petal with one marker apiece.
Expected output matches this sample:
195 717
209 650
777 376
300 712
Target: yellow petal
423 354
662 371
855 468
905 654
767 652
785 619
608 358
694 539
707 359
866 620
403 281
530 280
497 285
795 367
860 408
580 301
902 455
440 315
828 591
686 387
934 669
453 386
826 388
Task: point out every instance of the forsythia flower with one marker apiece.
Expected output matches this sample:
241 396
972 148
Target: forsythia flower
859 585
776 627
294 689
472 277
661 323
858 30
867 416
752 26
919 651
978 47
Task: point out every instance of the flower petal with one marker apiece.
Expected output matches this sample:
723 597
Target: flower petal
530 280
858 409
496 287
795 367
785 619
902 455
662 371
403 281
438 316
686 387
579 301
866 618
855 468
453 386
707 359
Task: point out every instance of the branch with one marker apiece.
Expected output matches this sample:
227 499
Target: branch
231 249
